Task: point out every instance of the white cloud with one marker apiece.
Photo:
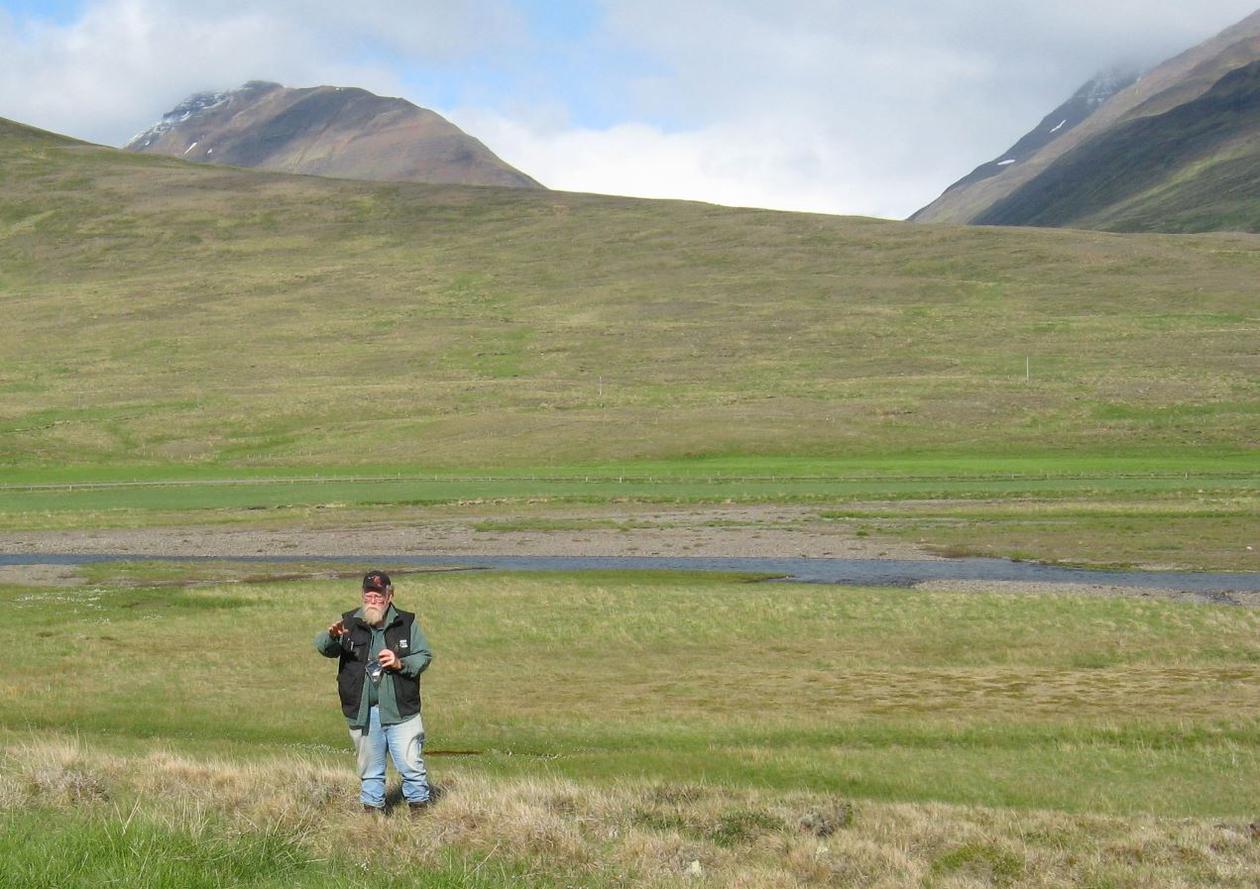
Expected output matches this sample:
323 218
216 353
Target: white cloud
832 105
115 69
914 95
753 164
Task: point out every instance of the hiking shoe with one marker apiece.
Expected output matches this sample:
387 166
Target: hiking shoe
418 809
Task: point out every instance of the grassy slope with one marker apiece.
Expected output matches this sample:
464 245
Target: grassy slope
630 725
162 312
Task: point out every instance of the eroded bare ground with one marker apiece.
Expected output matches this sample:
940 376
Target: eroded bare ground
623 530
40 575
769 531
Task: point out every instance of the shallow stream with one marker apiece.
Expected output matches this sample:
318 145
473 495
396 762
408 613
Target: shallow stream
853 572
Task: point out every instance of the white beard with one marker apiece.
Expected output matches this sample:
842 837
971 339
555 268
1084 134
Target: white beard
374 614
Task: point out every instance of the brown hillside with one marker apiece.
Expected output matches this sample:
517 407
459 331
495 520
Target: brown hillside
326 131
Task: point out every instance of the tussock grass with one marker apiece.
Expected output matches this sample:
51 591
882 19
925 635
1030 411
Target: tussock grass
1080 704
294 819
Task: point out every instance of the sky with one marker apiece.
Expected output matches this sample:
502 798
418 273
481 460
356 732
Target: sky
834 106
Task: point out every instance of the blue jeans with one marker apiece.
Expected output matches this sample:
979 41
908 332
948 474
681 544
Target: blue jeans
405 742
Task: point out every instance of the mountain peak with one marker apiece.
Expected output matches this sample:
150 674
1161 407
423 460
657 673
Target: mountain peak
1105 84
1055 125
344 132
194 106
1088 148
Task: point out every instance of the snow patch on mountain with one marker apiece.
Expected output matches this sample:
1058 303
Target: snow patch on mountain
194 105
1105 85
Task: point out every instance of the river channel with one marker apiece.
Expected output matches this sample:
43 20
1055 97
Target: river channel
851 572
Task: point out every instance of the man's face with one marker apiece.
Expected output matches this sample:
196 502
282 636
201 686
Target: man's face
375 604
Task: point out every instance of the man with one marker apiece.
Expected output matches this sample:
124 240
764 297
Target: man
381 653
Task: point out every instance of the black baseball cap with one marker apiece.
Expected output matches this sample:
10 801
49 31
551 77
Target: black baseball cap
376 580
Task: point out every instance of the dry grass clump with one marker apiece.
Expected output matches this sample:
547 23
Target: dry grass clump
638 833
55 773
478 816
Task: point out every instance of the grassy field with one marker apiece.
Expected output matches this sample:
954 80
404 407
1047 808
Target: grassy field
165 313
612 729
187 346
193 489
1188 510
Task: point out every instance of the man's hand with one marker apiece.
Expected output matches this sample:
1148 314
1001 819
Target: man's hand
389 660
337 630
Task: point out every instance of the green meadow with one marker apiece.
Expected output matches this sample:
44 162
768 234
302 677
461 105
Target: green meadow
200 497
621 726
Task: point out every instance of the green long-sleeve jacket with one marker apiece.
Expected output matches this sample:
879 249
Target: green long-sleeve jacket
382 695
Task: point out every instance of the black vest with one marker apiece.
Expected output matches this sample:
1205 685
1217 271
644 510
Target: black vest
356 645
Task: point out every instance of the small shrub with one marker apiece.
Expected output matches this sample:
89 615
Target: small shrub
989 863
825 822
662 821
734 828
